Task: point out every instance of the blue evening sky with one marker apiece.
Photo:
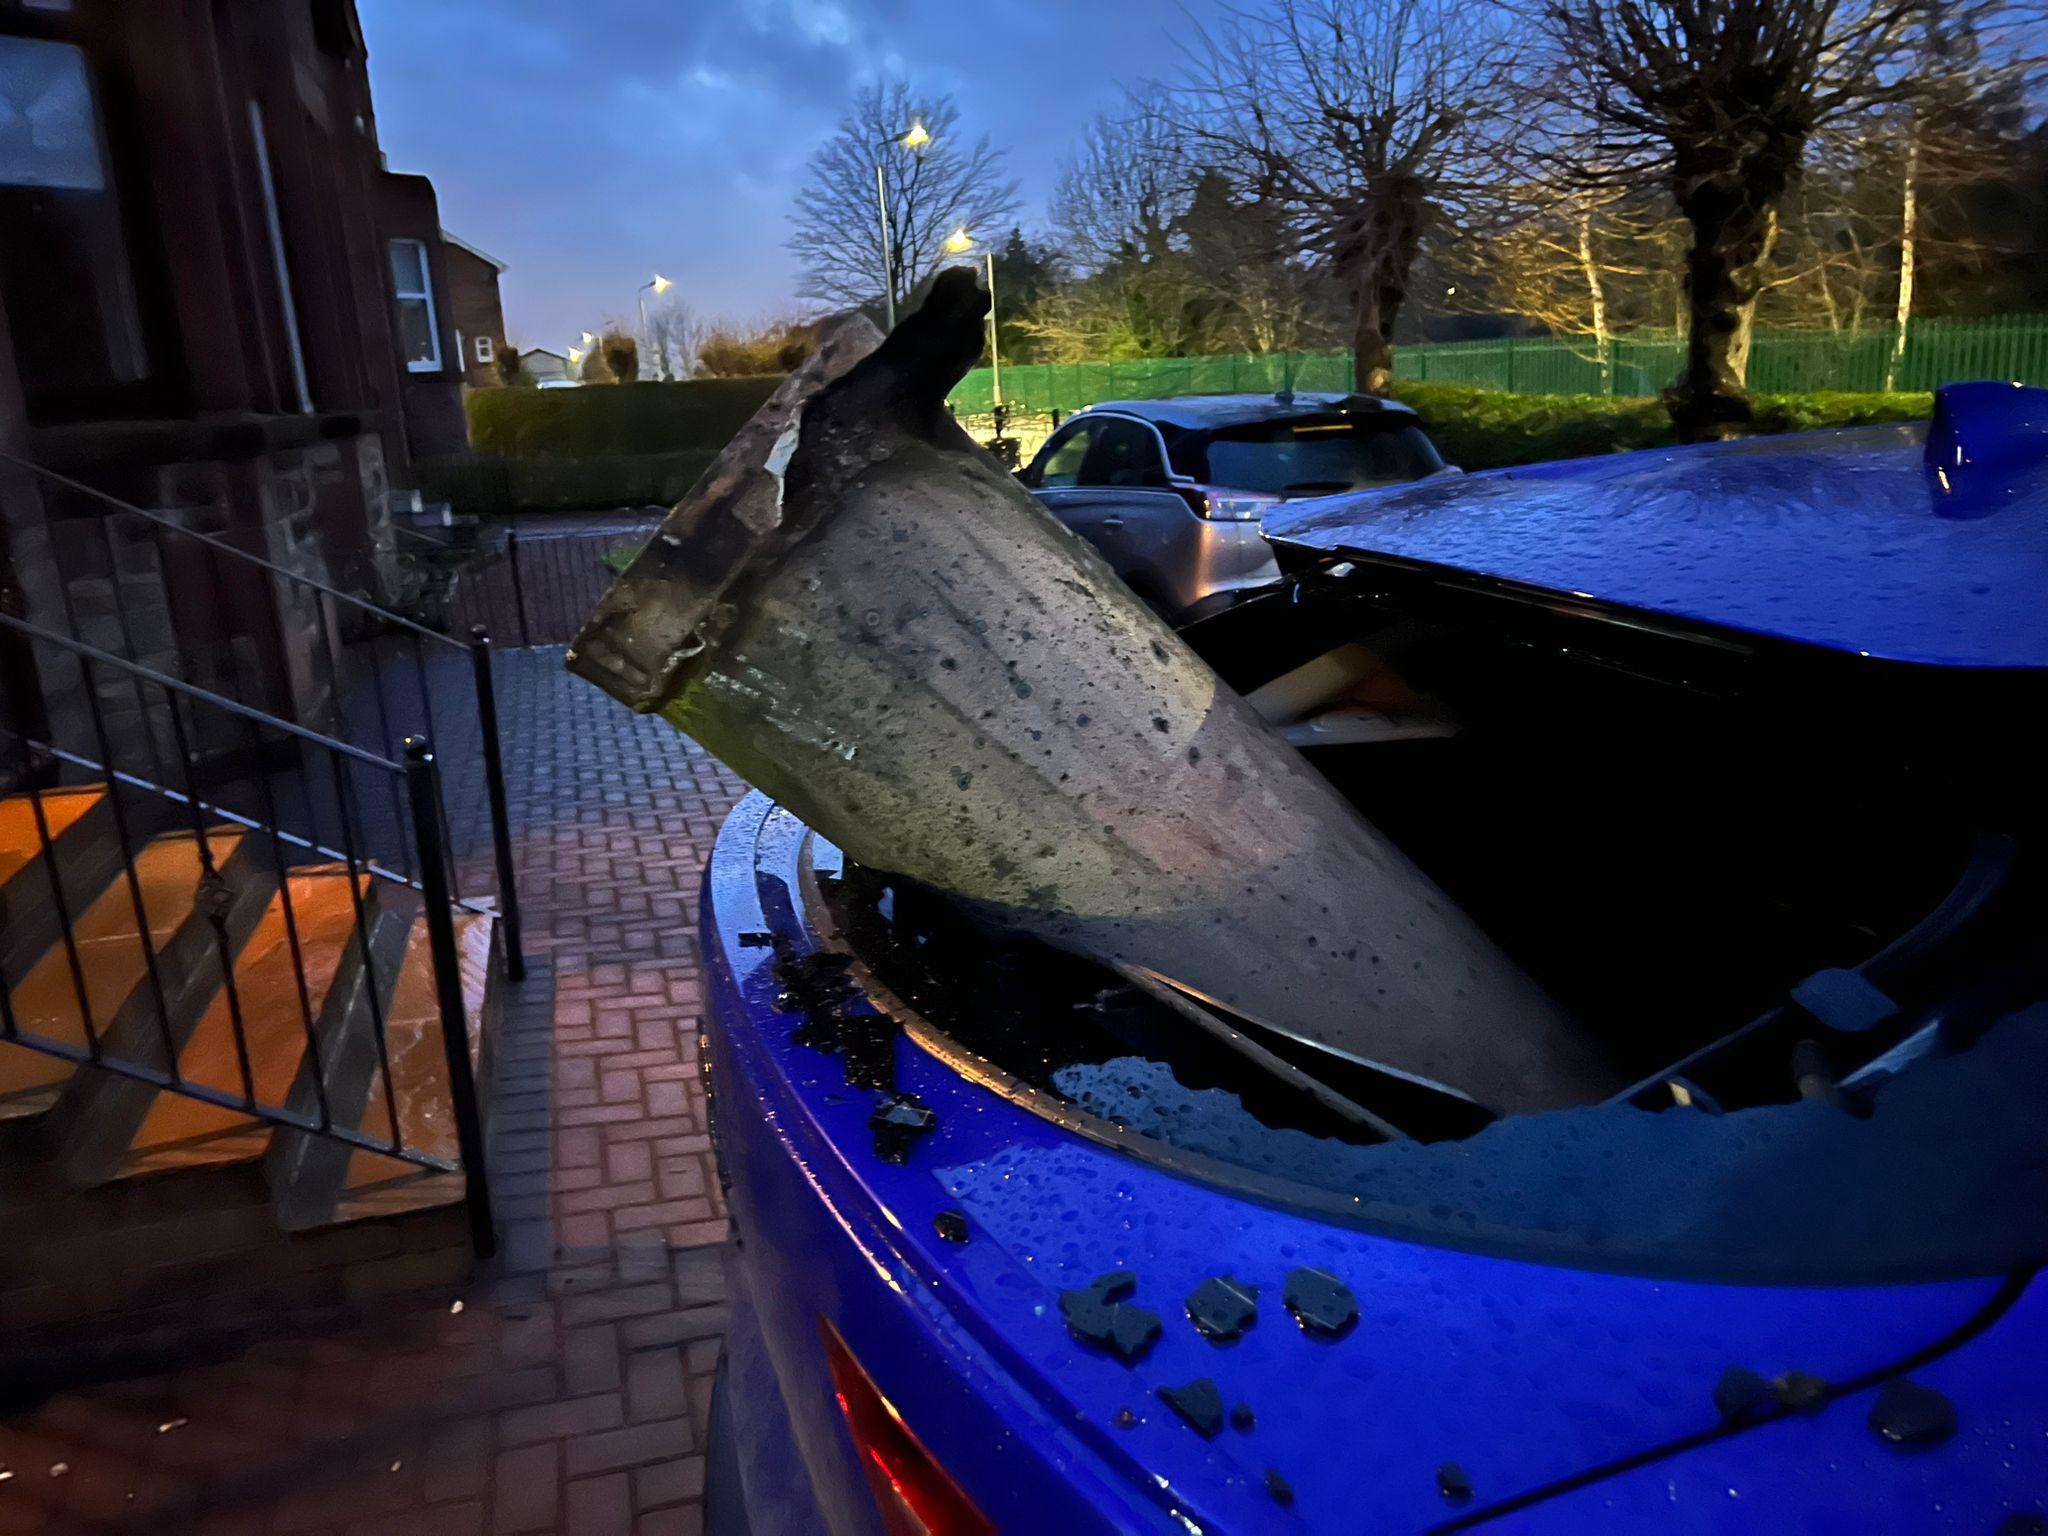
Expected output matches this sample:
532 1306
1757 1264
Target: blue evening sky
589 143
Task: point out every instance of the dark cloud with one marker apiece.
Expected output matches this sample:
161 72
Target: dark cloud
590 142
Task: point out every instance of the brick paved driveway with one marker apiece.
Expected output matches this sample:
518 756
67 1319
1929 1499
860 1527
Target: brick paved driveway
569 1392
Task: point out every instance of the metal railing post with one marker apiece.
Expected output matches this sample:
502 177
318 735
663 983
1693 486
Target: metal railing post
518 586
422 778
501 819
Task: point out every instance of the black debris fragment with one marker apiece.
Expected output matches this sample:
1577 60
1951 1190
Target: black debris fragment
754 938
1124 1418
1911 1416
1320 1302
1199 1403
2022 1522
898 1124
1221 1308
1800 1392
1740 1394
1241 1417
1452 1483
839 1020
1281 1490
1132 1330
951 1225
1098 1314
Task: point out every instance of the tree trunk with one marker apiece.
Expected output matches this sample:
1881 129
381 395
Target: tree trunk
1732 211
1380 261
1908 220
1372 346
1596 294
1827 298
1745 328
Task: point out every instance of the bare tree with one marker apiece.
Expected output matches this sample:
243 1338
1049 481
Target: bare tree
1121 193
1362 121
1244 268
1720 99
1586 263
935 180
674 333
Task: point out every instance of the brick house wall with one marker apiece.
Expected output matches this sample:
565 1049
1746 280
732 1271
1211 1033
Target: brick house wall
196 314
479 313
409 218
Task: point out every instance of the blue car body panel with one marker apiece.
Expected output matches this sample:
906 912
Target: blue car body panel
1831 1476
1525 1374
1854 541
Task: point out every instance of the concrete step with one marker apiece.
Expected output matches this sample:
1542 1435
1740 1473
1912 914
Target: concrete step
283 976
374 1184
128 1209
105 980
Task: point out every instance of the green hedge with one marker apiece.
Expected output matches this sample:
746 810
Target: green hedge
604 419
490 486
1492 429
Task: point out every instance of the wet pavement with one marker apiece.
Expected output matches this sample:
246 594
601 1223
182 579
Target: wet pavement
568 1390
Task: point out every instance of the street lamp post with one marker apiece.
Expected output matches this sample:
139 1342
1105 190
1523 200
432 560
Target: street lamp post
995 352
959 243
913 139
660 285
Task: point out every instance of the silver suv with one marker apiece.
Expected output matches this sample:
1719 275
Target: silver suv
1172 491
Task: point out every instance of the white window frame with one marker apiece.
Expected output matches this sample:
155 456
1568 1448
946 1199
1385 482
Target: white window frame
486 350
426 294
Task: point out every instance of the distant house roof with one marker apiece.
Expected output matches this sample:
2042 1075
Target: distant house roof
543 352
462 244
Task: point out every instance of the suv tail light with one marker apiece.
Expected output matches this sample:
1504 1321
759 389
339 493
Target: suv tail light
914 1493
1229 506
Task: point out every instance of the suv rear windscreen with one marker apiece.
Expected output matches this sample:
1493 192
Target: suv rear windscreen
1317 456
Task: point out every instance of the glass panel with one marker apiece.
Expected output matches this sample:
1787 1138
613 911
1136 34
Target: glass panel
1124 454
1063 464
416 331
49 133
408 268
64 261
1319 457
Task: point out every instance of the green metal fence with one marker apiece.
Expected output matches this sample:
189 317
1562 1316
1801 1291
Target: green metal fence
1781 362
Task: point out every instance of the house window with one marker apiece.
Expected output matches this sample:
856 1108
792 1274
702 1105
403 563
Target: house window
64 257
419 336
486 349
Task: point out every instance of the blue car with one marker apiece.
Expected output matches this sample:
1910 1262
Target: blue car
1737 750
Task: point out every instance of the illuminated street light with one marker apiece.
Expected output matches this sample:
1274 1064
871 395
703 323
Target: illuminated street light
660 285
959 243
914 138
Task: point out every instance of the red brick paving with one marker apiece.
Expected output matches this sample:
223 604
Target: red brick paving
569 1393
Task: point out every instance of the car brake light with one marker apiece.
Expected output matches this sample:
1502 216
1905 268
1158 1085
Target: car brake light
914 1493
1229 506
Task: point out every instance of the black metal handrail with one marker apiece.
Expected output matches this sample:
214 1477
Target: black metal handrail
228 706
357 684
288 771
552 579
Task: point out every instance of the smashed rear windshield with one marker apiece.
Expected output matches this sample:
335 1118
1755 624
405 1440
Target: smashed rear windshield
1319 455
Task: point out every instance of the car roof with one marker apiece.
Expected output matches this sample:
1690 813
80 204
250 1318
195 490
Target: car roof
1201 413
1852 540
